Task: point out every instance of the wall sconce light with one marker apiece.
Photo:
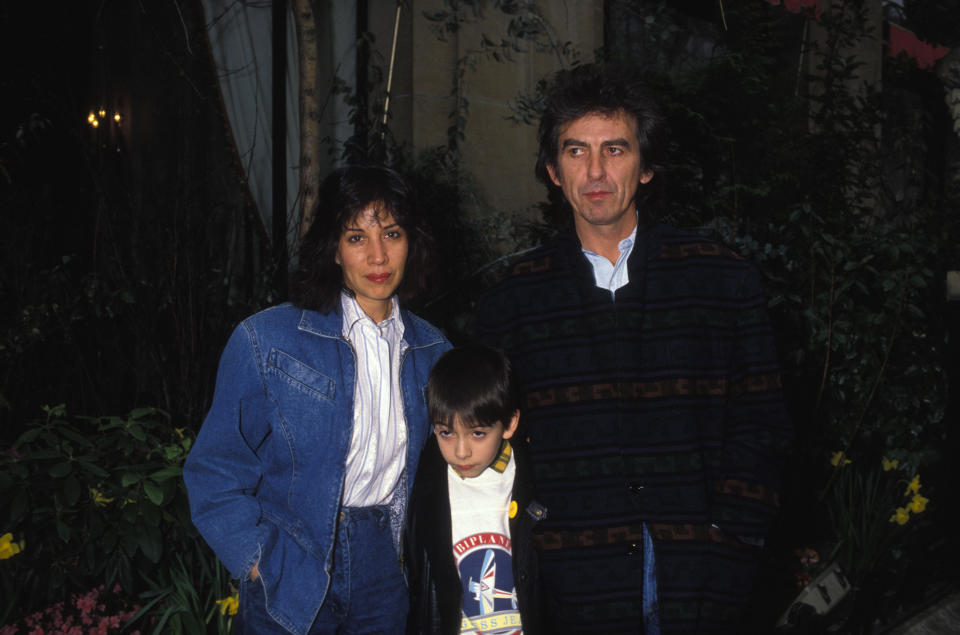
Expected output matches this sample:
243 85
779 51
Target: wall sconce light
94 118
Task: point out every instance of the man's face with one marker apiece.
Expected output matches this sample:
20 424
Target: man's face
599 167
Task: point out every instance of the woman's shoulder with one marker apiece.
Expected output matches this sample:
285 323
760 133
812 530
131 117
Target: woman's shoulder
288 314
418 332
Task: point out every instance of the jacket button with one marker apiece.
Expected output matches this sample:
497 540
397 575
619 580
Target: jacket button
636 487
634 549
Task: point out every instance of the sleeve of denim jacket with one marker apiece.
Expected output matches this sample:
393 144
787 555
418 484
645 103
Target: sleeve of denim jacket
222 471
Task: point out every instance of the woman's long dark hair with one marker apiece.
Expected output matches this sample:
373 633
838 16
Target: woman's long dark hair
346 192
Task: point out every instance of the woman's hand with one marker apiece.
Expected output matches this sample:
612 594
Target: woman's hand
254 573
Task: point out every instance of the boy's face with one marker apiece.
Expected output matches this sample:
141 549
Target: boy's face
471 450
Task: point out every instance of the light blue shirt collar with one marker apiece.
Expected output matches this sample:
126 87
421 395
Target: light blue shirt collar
612 276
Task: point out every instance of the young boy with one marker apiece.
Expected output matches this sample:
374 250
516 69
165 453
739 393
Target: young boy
472 566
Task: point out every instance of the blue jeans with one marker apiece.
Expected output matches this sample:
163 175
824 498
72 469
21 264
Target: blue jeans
367 593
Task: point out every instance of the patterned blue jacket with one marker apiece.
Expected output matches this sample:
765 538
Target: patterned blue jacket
662 407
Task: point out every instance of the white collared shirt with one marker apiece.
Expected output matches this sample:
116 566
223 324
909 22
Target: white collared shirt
378 446
612 276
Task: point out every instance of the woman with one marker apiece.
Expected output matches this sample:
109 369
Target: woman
300 474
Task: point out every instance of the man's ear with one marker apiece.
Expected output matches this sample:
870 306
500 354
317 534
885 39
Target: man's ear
512 427
645 176
552 171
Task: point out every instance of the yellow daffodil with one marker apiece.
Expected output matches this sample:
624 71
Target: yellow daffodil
98 498
918 504
837 457
901 516
229 605
890 464
913 487
9 548
179 432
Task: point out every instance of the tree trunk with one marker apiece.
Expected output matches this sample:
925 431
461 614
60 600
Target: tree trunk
306 24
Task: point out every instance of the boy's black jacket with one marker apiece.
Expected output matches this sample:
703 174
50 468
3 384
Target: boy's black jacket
436 594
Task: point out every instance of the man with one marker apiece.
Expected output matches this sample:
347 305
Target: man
649 379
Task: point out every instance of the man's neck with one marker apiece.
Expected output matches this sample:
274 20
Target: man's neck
604 240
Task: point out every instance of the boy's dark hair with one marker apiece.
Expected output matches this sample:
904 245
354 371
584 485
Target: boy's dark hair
346 192
473 383
605 89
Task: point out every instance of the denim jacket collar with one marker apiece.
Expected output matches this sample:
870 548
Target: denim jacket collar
331 325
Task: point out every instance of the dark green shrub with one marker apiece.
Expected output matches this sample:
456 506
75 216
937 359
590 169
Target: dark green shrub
100 500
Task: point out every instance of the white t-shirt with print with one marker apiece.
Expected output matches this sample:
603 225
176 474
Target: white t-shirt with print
480 513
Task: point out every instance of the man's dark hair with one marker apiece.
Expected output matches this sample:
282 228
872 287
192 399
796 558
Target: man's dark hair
607 90
473 383
344 194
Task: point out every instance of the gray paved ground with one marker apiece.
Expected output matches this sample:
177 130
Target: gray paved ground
941 618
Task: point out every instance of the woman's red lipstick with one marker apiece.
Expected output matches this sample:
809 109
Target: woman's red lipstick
377 277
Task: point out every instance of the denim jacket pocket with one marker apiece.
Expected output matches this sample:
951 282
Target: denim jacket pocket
300 376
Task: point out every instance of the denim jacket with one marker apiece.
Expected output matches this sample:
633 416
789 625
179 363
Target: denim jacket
265 475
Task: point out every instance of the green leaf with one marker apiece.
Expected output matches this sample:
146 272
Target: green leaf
140 413
64 531
94 469
108 540
150 542
61 469
71 491
129 544
151 515
171 471
110 423
27 437
18 506
129 479
137 432
190 623
154 492
74 436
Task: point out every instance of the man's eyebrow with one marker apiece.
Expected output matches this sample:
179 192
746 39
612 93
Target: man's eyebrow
616 142
620 141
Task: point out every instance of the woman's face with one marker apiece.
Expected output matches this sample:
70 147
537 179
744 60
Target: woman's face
372 254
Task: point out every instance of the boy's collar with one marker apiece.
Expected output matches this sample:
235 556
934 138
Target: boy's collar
500 464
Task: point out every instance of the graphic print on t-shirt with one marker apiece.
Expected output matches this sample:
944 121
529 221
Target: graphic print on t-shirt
489 595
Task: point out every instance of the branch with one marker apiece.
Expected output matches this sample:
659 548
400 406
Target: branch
873 391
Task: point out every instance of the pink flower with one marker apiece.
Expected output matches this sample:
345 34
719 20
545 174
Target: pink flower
86 603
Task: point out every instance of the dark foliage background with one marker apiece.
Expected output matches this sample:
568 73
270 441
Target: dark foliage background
127 250
128 253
